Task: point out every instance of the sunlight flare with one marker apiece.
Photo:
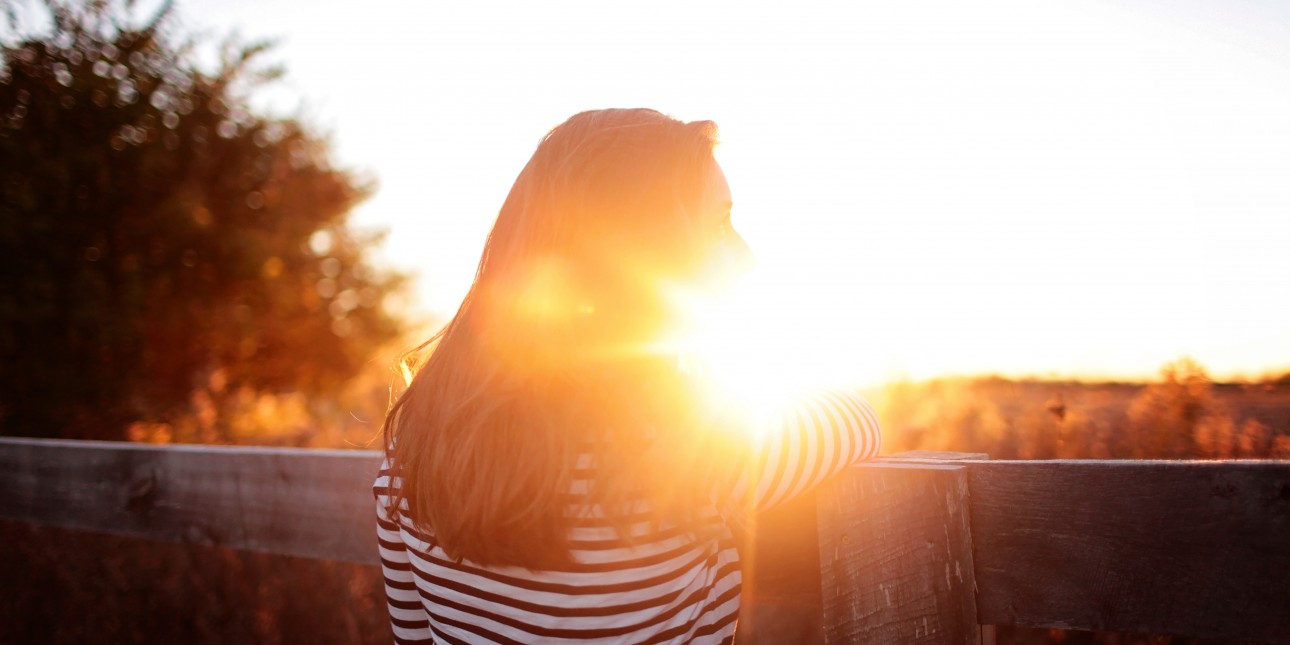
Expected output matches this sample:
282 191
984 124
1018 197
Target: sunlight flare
755 348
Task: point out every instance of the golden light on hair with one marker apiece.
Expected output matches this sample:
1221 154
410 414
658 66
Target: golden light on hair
542 358
546 295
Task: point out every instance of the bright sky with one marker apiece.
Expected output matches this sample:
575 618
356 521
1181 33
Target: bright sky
932 187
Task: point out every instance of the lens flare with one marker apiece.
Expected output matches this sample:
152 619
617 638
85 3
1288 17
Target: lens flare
750 348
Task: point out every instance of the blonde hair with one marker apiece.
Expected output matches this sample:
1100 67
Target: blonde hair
547 357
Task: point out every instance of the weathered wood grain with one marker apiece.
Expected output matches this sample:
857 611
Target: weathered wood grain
309 503
896 554
782 600
1193 548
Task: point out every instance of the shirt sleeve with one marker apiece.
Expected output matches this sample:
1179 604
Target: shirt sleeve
815 437
408 616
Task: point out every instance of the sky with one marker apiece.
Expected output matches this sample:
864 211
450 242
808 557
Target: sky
1087 189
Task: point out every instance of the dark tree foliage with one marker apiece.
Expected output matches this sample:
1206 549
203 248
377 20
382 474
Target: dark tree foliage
155 232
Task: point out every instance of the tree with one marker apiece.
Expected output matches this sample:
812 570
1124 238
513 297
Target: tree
156 233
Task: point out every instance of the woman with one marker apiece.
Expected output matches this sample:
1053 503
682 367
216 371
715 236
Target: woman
554 471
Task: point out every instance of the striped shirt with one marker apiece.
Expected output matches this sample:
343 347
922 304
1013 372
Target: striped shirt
665 588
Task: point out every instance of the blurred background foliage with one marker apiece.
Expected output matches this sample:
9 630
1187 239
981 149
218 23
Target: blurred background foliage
176 266
1182 415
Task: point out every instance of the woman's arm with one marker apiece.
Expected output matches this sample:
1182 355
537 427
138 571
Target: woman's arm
816 437
407 615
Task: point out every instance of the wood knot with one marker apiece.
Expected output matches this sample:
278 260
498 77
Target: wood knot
141 493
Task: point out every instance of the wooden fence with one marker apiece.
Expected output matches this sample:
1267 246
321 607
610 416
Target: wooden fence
915 547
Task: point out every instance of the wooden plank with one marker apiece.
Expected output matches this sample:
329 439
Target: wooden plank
1193 548
938 455
987 632
781 600
308 503
896 554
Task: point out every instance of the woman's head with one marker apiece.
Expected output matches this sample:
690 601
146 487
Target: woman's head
551 349
613 207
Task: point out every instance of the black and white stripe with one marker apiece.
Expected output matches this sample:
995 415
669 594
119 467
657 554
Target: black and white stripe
663 588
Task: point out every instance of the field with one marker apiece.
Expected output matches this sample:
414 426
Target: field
1182 416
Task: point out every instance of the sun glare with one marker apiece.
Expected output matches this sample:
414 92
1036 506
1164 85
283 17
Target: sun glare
755 348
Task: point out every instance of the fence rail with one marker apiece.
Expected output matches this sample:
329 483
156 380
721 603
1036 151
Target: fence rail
286 501
917 547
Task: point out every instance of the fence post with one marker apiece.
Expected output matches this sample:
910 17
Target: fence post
781 562
896 552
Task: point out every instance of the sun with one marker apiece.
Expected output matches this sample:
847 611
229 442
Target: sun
754 346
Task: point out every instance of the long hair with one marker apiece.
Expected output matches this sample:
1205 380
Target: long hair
549 356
